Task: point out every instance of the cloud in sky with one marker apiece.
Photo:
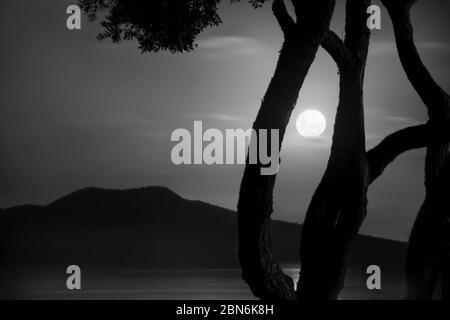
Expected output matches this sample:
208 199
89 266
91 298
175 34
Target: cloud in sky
403 120
389 47
226 46
439 46
223 117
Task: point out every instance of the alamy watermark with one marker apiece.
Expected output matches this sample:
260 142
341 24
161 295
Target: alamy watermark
74 280
190 148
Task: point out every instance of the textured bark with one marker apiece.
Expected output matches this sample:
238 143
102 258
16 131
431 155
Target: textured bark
339 204
260 269
425 251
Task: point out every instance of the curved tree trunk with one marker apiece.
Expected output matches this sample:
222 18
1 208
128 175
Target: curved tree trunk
339 204
426 252
427 247
302 39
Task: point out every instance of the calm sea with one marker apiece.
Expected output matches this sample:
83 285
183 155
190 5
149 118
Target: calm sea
191 284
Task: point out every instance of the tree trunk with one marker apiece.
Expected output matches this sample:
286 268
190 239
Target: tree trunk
445 256
338 206
429 247
259 267
425 251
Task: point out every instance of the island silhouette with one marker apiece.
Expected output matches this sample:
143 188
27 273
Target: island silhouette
150 228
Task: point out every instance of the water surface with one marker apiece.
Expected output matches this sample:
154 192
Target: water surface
191 284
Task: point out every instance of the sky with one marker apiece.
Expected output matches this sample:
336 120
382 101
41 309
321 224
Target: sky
76 112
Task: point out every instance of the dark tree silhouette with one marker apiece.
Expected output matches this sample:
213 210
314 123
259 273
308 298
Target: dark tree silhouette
338 206
156 25
301 41
427 244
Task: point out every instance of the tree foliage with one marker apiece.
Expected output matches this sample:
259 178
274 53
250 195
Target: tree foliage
168 25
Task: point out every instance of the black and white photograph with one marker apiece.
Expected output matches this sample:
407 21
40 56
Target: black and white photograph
245 151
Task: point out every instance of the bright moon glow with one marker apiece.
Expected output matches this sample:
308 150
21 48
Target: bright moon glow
311 123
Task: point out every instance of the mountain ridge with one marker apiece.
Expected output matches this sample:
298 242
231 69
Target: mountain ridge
148 226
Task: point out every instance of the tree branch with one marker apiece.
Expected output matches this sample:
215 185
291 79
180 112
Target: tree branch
297 4
404 140
284 19
433 96
337 49
418 266
303 9
357 35
355 46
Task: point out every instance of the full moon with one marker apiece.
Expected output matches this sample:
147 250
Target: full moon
311 123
